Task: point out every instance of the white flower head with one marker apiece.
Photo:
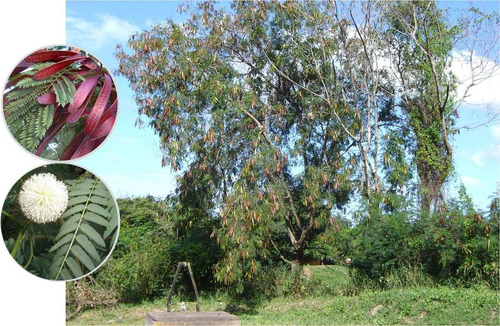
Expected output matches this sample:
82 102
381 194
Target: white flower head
43 198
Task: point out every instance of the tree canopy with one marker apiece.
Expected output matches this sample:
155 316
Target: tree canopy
276 114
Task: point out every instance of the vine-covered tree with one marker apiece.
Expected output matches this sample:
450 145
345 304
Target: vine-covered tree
276 113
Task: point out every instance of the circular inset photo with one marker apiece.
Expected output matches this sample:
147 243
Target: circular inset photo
59 222
60 103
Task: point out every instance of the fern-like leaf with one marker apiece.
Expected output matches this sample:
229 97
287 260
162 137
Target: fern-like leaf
80 243
30 82
64 89
35 127
35 67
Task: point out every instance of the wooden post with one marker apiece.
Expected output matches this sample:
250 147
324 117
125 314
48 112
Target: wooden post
172 288
194 286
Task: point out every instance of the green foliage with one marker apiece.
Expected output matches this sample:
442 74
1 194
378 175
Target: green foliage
28 120
457 246
332 243
154 237
423 43
89 220
275 113
141 263
140 274
138 221
383 243
34 127
64 90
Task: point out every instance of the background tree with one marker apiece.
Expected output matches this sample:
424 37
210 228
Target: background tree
421 47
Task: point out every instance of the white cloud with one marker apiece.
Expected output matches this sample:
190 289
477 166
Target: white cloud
485 92
92 35
477 158
471 182
487 155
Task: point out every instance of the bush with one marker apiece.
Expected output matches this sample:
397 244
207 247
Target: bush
141 274
456 245
383 243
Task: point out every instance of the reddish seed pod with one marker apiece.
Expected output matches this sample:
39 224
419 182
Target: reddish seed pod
99 106
104 128
23 65
47 98
48 55
73 117
56 126
86 88
73 146
90 64
56 67
85 147
109 111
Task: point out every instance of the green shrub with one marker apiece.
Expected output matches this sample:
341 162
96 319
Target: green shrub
383 243
141 274
398 248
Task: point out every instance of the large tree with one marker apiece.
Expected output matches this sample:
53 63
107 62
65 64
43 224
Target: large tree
233 99
276 113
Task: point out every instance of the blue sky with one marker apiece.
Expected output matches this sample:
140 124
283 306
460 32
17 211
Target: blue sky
129 162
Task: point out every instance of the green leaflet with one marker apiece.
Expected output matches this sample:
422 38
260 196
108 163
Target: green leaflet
113 221
61 242
74 267
82 257
27 119
113 224
65 274
92 234
98 210
69 226
73 210
91 217
64 90
57 261
80 241
85 243
55 266
35 125
77 200
100 200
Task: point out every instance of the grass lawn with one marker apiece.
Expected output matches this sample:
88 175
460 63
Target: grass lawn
441 305
329 274
409 306
420 305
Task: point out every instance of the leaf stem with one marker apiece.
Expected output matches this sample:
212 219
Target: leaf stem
11 216
31 253
77 228
20 236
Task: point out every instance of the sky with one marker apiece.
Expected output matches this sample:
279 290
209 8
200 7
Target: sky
129 161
